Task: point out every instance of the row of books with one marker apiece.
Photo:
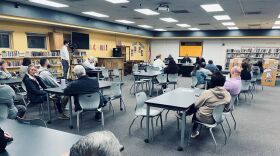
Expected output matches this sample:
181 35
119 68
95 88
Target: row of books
255 50
10 53
14 63
52 53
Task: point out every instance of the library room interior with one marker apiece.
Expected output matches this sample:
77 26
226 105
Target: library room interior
139 77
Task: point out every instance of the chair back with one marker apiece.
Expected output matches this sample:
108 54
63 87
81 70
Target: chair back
194 81
135 68
105 73
23 86
172 77
232 101
117 79
89 101
37 122
245 85
155 69
218 113
4 111
149 68
116 89
166 90
141 97
116 72
162 78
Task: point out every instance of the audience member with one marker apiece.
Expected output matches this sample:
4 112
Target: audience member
197 61
186 60
210 66
260 65
4 73
89 63
103 143
159 63
23 68
245 73
202 61
5 137
7 97
204 70
202 110
46 76
233 85
172 68
200 76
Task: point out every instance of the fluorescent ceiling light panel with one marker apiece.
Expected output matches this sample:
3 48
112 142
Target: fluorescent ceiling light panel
279 16
183 25
277 22
276 27
117 1
212 7
96 14
49 3
159 29
125 21
146 11
170 20
228 23
222 17
145 26
233 28
194 29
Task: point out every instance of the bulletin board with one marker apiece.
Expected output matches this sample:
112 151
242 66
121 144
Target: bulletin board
191 49
270 72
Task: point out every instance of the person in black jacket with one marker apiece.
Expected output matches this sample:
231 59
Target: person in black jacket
172 67
245 73
33 86
4 139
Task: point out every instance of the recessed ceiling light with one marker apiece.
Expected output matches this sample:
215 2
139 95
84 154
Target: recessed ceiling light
170 20
277 22
194 29
146 11
276 27
145 26
49 3
159 29
96 14
183 25
212 7
125 21
279 16
233 28
222 17
228 23
117 1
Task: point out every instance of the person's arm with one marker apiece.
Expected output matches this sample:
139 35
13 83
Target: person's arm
70 89
32 89
201 99
5 75
41 83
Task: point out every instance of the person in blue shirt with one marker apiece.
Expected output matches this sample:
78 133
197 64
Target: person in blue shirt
210 66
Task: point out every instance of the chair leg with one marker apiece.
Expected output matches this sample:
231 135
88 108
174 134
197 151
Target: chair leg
102 120
178 124
123 104
111 106
166 115
132 124
229 133
161 126
121 107
141 122
157 121
233 120
78 122
224 133
152 123
211 132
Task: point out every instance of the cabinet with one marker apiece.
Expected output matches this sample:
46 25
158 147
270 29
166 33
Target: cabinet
56 40
111 62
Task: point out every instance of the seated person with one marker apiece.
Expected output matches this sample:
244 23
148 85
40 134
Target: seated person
7 97
172 67
159 63
4 73
204 70
210 66
200 76
46 76
5 137
203 108
83 85
33 85
23 68
245 73
233 85
89 63
103 143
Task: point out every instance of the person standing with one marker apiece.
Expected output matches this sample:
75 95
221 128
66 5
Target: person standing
65 59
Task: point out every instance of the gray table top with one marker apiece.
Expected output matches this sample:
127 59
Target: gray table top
11 81
36 141
178 99
147 74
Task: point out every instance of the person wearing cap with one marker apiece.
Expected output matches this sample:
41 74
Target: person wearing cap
159 63
89 63
233 85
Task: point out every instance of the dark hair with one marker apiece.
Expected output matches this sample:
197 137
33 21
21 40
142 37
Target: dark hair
210 62
43 61
158 56
26 61
202 59
244 66
188 60
203 65
65 42
2 62
217 80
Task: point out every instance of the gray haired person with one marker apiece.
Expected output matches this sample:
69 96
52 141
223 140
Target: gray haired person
103 143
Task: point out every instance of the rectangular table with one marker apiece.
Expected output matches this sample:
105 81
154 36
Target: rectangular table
11 81
60 91
179 99
150 74
36 141
99 71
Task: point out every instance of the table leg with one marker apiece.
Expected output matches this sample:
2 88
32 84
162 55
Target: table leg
71 101
183 127
147 125
49 108
98 75
134 85
151 87
206 85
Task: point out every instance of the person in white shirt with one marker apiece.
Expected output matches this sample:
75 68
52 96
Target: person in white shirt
89 63
159 63
64 54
